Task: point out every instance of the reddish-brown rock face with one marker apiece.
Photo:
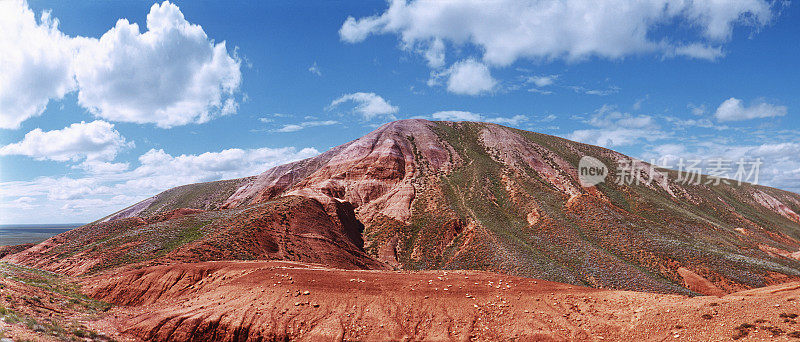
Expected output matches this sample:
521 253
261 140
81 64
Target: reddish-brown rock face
374 173
290 228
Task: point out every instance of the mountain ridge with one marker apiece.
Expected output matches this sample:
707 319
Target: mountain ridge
467 195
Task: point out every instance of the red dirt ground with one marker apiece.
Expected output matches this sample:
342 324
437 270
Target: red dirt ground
274 300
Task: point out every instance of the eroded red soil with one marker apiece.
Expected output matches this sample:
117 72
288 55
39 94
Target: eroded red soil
233 301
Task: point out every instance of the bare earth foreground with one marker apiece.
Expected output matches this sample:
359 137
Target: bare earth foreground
279 300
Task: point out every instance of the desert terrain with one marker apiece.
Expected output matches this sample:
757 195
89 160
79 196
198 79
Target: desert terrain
422 230
277 300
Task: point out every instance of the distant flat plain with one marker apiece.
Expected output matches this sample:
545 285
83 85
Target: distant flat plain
16 234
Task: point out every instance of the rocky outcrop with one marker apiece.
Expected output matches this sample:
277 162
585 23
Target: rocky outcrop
374 173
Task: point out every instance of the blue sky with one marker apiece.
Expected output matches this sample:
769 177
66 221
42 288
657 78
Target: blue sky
91 125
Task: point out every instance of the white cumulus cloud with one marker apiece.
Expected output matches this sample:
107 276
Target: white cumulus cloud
171 74
698 50
467 77
35 63
733 109
208 166
89 198
778 167
369 105
614 128
93 141
459 115
507 30
303 125
542 81
24 203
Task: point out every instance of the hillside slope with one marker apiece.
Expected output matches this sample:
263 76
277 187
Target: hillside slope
289 228
466 195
